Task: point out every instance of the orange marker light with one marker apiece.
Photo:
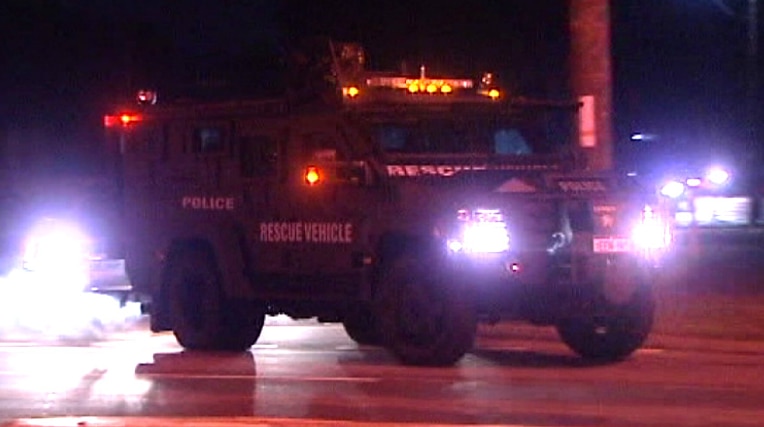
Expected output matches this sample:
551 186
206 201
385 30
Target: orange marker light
351 92
493 93
311 175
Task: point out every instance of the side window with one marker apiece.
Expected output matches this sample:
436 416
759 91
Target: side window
259 156
393 138
510 142
208 140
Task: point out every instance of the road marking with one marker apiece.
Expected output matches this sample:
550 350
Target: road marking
265 346
257 377
651 351
218 422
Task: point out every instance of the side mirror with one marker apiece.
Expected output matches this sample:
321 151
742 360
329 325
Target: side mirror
357 173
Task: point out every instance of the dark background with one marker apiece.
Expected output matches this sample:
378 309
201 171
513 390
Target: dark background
679 65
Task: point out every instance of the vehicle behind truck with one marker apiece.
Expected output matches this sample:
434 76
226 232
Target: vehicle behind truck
408 208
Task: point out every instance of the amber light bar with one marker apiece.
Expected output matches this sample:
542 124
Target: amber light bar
407 82
425 85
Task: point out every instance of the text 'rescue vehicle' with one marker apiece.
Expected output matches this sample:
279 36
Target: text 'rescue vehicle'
407 208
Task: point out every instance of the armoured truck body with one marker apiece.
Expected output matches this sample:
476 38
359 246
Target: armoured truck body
408 208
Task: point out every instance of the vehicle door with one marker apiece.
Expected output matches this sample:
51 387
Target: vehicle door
330 198
261 150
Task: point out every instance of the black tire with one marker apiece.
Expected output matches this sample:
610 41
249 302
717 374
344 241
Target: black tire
361 325
423 318
202 318
609 331
244 321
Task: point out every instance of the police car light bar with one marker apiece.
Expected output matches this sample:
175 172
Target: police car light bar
423 85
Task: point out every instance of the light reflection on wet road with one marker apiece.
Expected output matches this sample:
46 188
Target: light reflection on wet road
314 372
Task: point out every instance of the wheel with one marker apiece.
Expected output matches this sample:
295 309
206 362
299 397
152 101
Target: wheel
361 325
244 321
610 331
422 317
202 318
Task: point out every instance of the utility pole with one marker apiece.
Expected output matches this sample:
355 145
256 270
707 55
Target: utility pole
592 80
752 78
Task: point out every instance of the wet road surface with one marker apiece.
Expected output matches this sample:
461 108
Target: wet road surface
305 373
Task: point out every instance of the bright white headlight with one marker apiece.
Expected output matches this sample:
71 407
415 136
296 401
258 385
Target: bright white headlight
481 231
672 189
717 176
652 231
55 245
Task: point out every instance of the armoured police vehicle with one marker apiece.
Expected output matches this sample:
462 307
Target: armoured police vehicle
408 208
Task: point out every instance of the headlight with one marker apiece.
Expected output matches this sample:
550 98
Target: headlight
717 176
652 231
480 231
673 189
54 246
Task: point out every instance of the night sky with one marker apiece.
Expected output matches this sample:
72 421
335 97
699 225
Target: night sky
679 65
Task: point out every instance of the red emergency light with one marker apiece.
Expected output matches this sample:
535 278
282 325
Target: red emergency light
124 119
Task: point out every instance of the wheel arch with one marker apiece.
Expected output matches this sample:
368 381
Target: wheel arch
391 245
227 247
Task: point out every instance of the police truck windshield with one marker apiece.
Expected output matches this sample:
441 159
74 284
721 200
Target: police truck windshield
468 136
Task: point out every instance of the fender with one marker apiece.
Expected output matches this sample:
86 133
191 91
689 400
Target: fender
228 245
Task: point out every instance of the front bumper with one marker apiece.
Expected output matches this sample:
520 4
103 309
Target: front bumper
108 276
503 269
98 276
541 285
